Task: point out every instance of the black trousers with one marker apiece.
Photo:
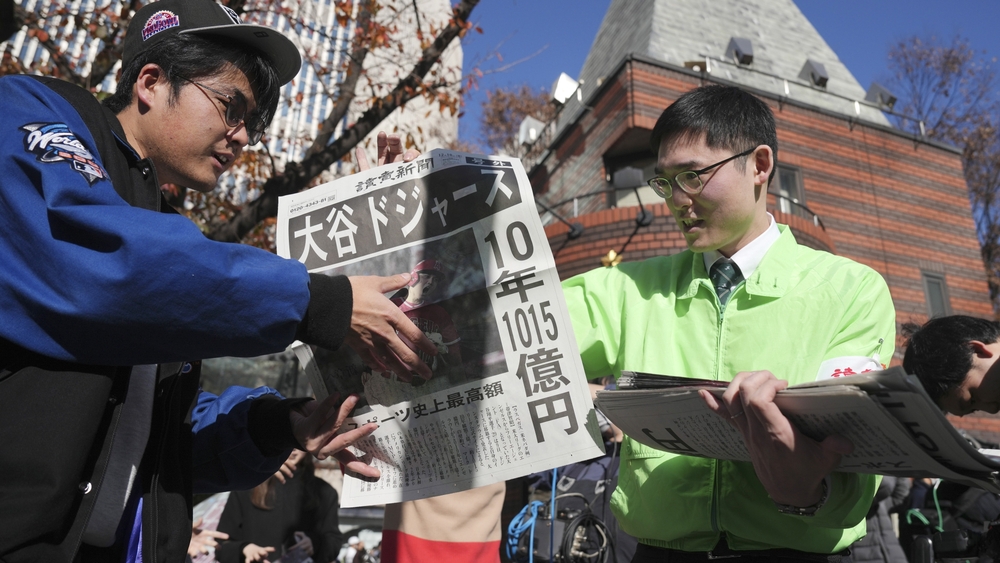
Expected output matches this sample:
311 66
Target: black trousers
649 554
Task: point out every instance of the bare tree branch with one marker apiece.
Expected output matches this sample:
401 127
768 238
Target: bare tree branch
298 175
952 90
416 11
350 84
111 53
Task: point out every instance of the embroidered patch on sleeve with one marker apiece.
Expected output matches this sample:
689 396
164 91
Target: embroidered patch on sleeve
54 142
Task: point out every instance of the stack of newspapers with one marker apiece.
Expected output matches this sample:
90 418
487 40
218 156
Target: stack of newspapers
895 427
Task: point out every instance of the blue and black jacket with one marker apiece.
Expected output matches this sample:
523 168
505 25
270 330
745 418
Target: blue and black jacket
98 274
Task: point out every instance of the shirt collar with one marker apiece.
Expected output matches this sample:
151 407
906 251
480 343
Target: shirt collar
750 256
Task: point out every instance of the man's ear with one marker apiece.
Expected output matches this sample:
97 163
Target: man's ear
981 350
151 87
763 163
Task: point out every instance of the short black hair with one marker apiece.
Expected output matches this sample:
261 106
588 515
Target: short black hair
939 352
729 117
186 56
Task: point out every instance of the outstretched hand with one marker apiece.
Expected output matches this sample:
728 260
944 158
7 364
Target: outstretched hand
315 425
203 541
790 465
389 149
286 471
377 326
376 323
253 552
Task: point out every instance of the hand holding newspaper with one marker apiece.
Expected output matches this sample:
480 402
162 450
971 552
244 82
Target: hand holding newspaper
508 396
895 427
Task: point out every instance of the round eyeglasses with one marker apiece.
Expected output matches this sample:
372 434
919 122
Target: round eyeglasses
236 113
688 181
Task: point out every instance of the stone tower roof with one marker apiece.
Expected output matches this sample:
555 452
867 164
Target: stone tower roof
683 31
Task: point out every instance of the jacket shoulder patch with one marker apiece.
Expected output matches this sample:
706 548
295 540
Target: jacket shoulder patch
54 142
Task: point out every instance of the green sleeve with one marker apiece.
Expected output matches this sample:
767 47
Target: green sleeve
595 312
868 317
866 322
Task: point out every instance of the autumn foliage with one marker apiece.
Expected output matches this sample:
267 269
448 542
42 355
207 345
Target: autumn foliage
505 109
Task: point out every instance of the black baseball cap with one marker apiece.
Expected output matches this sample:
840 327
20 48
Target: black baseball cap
157 20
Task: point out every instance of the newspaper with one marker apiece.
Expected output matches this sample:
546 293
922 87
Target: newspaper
895 427
508 396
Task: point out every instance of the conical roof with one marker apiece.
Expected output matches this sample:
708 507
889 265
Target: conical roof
682 31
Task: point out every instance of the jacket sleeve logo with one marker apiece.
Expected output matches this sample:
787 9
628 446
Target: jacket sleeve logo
54 142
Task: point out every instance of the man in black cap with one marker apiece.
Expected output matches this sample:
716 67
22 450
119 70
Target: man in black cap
109 297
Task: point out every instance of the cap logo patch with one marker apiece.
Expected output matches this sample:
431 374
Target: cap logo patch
54 142
232 14
160 21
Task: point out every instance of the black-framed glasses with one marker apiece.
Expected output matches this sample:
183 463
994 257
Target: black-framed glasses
236 113
688 181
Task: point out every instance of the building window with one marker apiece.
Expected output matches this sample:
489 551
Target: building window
936 293
787 186
625 197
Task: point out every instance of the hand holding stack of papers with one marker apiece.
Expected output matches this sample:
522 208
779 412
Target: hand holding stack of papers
895 427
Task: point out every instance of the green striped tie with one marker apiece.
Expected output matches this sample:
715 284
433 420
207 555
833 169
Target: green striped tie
725 276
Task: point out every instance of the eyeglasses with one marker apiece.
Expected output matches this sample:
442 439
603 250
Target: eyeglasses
689 181
236 113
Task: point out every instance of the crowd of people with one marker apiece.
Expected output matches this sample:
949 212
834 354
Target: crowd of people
110 298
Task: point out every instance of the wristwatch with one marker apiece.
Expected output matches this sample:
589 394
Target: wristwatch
807 510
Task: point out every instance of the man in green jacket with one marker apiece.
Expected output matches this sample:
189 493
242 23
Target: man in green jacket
772 313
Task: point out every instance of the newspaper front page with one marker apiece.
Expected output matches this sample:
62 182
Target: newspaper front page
508 396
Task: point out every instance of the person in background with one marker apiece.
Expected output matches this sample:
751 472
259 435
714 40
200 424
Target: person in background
353 543
361 553
375 555
955 358
881 544
263 523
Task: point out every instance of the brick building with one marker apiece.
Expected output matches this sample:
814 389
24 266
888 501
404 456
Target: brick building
848 182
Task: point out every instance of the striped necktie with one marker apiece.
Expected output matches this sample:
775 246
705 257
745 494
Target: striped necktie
725 275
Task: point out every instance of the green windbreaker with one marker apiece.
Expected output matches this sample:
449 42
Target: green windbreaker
798 309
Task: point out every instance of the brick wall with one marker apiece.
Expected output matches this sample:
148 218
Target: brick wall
982 426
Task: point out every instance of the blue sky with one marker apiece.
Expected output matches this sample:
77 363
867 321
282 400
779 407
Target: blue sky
859 31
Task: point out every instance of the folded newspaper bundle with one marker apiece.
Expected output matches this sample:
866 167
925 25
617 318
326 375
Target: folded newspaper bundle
894 425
